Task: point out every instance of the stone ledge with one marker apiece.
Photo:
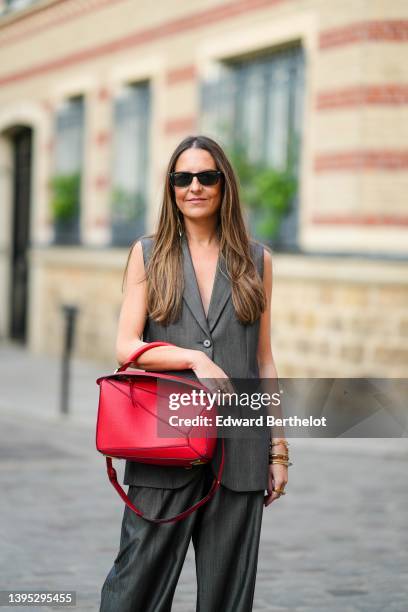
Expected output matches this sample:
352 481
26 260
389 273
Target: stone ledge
300 267
68 257
347 269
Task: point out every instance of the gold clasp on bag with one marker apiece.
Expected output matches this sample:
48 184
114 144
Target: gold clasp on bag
197 462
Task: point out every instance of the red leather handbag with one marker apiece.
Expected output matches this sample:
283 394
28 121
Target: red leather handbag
130 414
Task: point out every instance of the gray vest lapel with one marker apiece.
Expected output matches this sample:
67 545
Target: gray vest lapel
191 293
220 293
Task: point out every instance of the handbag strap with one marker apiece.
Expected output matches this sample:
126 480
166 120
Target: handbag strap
112 475
142 349
215 485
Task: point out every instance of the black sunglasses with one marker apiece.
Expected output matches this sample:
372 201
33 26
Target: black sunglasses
206 178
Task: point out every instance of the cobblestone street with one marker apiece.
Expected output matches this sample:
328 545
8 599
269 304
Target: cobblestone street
337 542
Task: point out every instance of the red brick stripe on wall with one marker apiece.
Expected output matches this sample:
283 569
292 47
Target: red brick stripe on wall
101 182
47 16
140 37
184 73
361 160
103 94
383 94
101 222
360 220
102 138
365 31
182 124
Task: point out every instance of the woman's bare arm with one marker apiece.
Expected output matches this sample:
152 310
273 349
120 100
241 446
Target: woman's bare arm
278 474
266 364
132 320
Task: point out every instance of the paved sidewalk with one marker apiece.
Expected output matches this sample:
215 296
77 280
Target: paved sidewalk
338 541
38 378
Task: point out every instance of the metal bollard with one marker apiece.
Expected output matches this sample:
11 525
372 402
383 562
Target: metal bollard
70 312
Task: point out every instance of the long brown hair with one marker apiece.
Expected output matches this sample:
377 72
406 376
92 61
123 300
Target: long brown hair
164 273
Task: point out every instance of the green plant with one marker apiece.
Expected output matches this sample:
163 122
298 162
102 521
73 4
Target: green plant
126 205
266 191
65 190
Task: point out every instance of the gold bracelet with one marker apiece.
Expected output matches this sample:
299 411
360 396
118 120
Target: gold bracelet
279 455
280 462
277 442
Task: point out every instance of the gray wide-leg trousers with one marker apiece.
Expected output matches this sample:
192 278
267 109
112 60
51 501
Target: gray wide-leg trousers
225 533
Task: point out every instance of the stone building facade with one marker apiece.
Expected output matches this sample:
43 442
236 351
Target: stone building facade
107 88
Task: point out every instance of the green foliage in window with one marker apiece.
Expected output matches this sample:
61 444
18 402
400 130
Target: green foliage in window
266 191
126 205
65 190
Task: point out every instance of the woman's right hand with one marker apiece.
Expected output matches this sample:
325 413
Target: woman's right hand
210 374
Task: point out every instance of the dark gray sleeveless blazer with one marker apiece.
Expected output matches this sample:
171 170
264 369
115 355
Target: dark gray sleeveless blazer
232 346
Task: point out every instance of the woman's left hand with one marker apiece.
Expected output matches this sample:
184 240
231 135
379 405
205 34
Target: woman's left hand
278 478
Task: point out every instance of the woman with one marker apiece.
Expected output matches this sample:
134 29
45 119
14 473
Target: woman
203 286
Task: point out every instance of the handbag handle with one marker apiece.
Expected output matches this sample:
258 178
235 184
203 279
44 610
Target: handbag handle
112 475
142 349
215 485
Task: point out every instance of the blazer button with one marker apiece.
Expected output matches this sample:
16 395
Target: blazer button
207 343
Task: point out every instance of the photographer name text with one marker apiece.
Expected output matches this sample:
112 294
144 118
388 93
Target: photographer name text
260 421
